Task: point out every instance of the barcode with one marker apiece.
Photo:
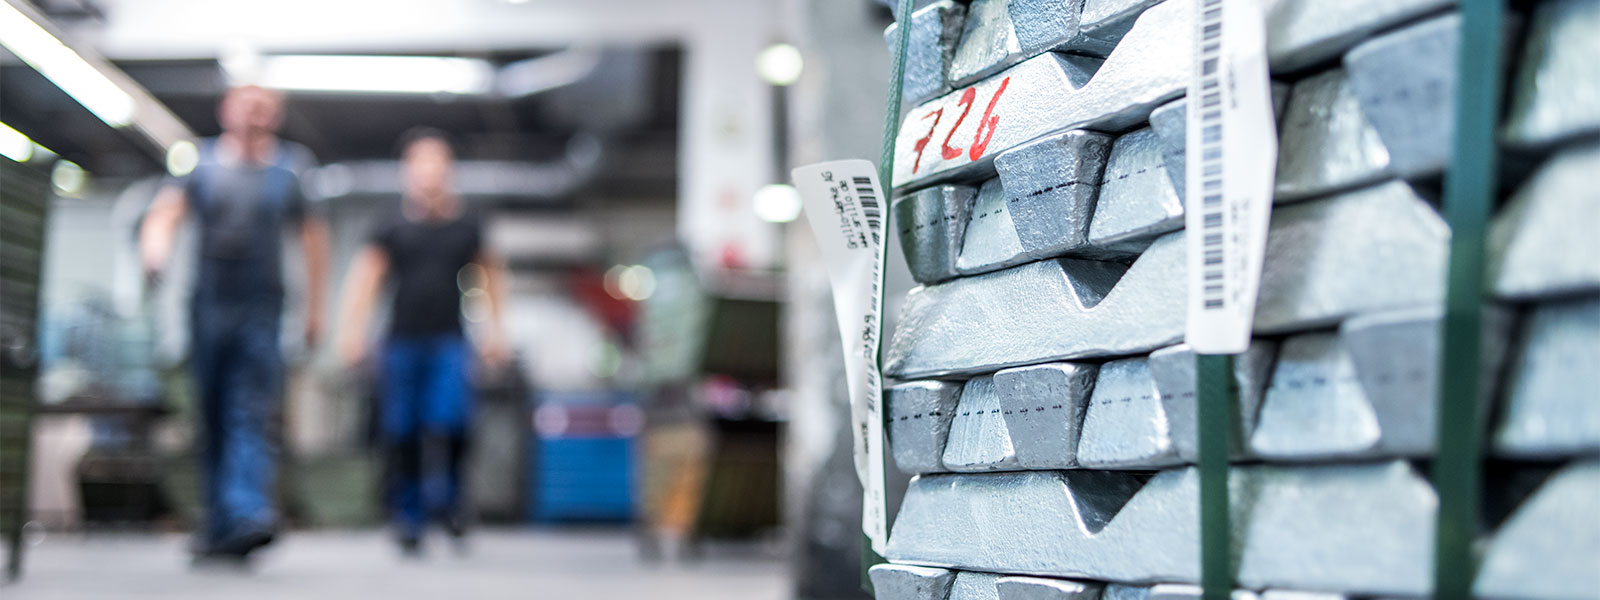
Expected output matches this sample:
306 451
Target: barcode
869 206
1212 207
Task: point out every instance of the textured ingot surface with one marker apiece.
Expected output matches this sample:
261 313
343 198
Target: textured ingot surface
1406 83
1364 529
1044 25
1372 249
1544 242
1298 595
919 423
1110 20
988 43
1549 547
1557 90
1551 408
1396 358
1043 406
909 582
1125 425
1302 33
1174 372
894 6
1315 407
1326 144
978 439
1184 591
933 224
1080 524
1171 125
935 29
1051 184
1137 201
1044 94
1039 312
975 586
1041 588
991 238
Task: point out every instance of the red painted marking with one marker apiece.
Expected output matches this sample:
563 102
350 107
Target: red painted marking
980 142
966 100
923 143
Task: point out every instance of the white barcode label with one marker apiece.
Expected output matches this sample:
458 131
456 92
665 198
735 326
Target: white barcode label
842 203
1232 155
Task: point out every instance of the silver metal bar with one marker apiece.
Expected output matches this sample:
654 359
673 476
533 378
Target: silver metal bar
1326 144
1137 200
908 582
975 586
919 423
1303 33
1553 97
1405 81
988 43
1051 184
1174 372
1045 25
1043 406
1549 547
1125 425
990 242
1550 406
933 225
1040 588
935 29
1543 243
978 439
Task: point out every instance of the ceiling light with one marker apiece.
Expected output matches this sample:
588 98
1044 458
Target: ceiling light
182 158
637 283
14 145
378 74
68 179
777 203
780 64
64 67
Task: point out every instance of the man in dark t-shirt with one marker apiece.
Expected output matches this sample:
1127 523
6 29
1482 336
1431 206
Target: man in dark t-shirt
243 192
434 254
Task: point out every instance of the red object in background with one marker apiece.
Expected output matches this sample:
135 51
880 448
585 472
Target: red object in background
588 286
732 256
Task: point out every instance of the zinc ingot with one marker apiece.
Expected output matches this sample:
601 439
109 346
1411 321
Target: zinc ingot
1051 184
1137 201
1550 408
935 30
988 43
1043 406
1547 550
1326 144
1045 25
1041 588
1303 33
1406 83
1125 425
975 586
978 439
933 225
991 241
1174 370
1556 95
1110 20
957 135
908 582
919 423
1543 243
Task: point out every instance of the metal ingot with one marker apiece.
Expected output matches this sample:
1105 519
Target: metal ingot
988 43
919 423
1043 406
935 29
1406 83
1365 529
991 238
1017 587
1326 144
1298 595
1550 408
1111 20
1051 185
1045 25
1549 547
978 439
1170 124
1543 243
908 582
894 6
1125 425
1137 202
1079 524
1040 312
933 224
1556 95
1303 33
975 586
1173 368
1371 249
957 135
1315 407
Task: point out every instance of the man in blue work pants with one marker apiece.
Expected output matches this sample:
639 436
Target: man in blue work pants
244 191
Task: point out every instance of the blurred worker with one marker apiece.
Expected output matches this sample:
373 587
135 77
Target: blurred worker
430 245
244 191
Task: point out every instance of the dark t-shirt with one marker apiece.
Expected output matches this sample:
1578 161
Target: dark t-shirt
424 260
241 209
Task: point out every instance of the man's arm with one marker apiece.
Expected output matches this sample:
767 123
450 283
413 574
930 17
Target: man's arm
360 292
495 348
314 239
159 229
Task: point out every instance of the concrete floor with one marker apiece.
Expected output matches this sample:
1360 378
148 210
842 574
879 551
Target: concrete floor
580 565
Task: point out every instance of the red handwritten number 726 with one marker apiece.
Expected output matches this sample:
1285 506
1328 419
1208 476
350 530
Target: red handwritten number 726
980 139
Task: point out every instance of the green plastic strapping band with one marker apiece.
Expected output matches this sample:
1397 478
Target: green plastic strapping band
1469 189
1216 395
891 131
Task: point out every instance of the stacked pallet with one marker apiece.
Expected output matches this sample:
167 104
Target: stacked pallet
1046 401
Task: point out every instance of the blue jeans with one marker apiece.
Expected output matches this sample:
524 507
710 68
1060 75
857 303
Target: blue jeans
426 405
238 373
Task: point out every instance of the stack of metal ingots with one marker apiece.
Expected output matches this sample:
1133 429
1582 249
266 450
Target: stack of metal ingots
1045 400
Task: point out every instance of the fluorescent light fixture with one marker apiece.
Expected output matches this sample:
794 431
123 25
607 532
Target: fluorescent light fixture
69 179
182 158
14 145
777 203
378 74
64 67
780 64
